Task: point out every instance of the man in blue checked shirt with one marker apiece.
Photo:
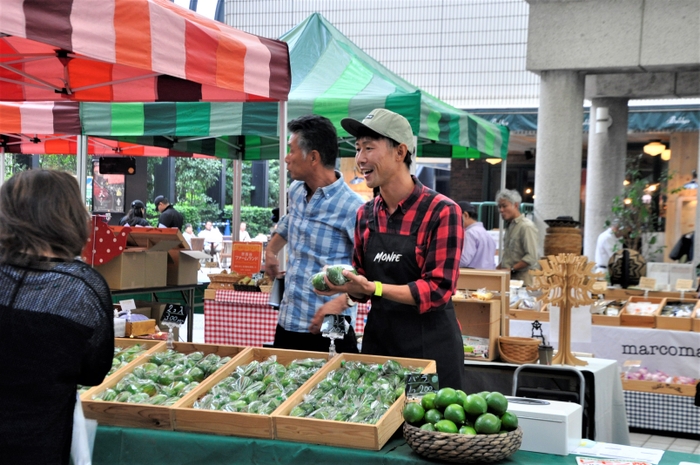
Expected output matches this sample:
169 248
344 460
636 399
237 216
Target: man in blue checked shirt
319 228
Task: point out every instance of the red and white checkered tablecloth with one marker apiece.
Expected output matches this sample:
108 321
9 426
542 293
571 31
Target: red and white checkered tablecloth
246 318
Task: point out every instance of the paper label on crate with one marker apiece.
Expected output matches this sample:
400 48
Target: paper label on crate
174 314
684 285
419 384
647 283
632 363
128 304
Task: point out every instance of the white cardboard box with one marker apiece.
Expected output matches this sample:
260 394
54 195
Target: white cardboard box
549 426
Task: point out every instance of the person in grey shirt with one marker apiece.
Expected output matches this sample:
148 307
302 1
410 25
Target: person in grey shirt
519 253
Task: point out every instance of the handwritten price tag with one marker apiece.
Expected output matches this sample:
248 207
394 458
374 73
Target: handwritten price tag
174 314
647 283
419 384
684 284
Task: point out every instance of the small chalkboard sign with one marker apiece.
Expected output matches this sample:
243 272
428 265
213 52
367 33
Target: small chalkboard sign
419 384
175 314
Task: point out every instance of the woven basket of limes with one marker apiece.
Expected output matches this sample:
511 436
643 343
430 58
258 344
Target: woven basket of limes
451 426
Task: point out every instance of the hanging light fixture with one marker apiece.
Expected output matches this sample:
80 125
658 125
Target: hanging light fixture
493 161
654 148
666 155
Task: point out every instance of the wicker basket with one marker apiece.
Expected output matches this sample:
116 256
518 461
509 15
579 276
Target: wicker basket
223 280
460 448
518 349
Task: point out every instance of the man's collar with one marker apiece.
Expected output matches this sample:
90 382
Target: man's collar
412 198
330 189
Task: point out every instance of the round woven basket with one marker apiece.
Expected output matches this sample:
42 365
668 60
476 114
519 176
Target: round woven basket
518 349
460 448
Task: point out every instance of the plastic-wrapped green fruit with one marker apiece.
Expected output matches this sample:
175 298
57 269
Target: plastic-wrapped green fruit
335 274
318 282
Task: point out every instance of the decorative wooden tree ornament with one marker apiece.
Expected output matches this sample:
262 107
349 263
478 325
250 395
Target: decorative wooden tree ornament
566 281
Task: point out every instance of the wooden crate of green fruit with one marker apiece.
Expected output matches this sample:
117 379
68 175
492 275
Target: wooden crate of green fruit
310 415
240 398
145 391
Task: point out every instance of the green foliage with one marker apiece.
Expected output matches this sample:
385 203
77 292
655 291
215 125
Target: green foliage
258 219
247 183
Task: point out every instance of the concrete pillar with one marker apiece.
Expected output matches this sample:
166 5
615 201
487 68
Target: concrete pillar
605 170
559 136
696 243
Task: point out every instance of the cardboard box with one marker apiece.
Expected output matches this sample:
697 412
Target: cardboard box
641 321
338 433
549 427
480 318
187 418
659 388
183 266
675 322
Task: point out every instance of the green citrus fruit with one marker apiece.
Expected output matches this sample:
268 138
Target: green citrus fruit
484 394
455 413
475 405
428 401
497 403
427 427
509 421
462 396
445 397
468 430
413 413
446 426
433 416
488 423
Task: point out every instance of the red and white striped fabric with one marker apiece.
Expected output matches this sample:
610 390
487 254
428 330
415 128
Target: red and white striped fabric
246 319
133 51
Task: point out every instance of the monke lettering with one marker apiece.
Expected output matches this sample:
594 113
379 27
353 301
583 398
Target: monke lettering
385 257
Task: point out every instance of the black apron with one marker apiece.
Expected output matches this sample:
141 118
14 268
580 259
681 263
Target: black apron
399 330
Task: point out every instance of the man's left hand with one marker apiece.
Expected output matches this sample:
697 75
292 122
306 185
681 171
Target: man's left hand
334 307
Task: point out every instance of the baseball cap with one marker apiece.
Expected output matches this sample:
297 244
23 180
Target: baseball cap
385 123
158 200
467 207
138 204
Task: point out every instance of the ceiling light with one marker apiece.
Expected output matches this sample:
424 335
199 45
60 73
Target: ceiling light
654 148
666 155
493 161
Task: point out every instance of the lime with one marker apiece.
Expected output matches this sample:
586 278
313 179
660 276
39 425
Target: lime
318 282
475 404
428 427
428 401
462 396
433 415
497 403
455 413
445 397
484 394
335 274
509 421
468 430
488 423
446 426
413 413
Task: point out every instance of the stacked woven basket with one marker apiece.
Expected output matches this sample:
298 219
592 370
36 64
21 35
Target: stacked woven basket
518 349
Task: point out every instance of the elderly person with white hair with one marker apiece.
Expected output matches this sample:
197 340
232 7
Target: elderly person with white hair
519 254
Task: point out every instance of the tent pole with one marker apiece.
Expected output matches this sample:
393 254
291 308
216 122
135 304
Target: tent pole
237 195
81 160
500 218
2 165
283 173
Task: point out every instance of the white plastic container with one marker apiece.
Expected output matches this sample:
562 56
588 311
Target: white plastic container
549 426
119 327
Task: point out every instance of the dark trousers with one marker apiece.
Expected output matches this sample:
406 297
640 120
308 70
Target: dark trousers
315 342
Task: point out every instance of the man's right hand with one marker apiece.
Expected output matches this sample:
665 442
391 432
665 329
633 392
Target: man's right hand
272 268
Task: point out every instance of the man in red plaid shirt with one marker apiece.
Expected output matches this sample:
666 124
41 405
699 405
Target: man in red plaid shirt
408 242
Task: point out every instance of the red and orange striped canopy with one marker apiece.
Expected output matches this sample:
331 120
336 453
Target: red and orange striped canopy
133 51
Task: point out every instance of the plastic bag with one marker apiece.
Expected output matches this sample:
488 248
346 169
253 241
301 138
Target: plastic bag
83 436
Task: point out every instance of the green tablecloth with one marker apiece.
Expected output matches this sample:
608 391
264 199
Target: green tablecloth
132 446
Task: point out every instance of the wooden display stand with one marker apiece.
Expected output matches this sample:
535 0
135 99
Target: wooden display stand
493 280
566 281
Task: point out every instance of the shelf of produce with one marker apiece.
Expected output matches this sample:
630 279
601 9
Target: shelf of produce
678 323
187 418
627 318
337 433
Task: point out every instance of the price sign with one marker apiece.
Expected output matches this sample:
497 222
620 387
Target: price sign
335 325
419 384
246 257
129 304
174 314
600 286
647 283
684 284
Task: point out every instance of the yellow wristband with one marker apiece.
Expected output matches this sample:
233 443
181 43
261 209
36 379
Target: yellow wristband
377 288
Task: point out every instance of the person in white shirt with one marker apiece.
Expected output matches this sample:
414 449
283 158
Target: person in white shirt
188 234
244 236
213 239
605 246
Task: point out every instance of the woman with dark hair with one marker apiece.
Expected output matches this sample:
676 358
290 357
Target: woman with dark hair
136 215
56 326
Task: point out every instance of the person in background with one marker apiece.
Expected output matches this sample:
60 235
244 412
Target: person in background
213 239
519 240
605 246
169 217
136 215
479 250
56 316
408 241
188 234
318 230
244 235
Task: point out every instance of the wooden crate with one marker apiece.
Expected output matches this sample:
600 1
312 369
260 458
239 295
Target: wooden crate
480 318
144 415
675 322
187 418
695 320
492 280
338 433
605 320
529 315
641 321
658 387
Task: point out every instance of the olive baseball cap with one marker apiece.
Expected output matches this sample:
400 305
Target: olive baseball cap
384 122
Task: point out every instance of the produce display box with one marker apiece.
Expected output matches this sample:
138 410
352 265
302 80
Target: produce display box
676 322
659 388
480 318
695 319
641 321
605 320
338 433
187 418
145 415
529 315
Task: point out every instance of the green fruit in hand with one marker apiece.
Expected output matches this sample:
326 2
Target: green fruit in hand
445 397
488 423
468 430
319 283
509 421
446 426
497 403
335 274
428 427
413 413
475 405
455 413
428 401
433 416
